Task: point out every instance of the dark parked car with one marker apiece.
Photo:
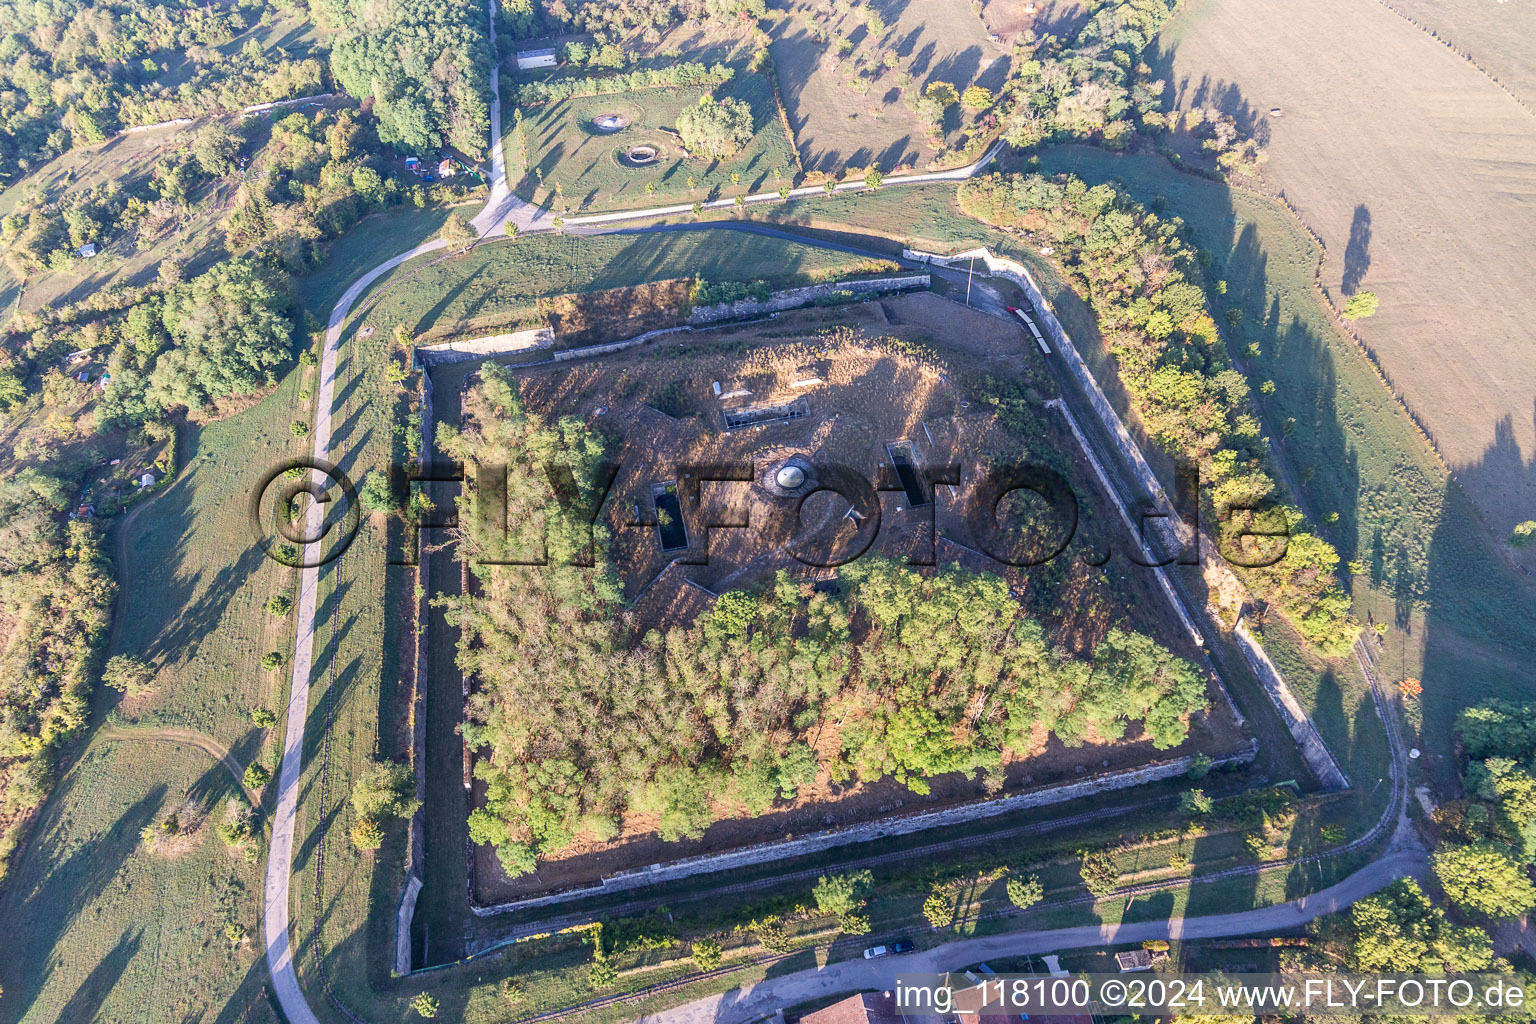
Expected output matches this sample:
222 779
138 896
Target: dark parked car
902 946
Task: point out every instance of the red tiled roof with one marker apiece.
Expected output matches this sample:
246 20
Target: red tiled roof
864 1008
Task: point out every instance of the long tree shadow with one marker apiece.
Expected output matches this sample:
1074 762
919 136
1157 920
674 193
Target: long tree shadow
93 991
1479 619
51 887
1357 253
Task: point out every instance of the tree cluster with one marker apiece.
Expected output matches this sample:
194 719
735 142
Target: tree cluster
1400 931
1489 837
687 73
1096 86
74 73
322 178
56 592
578 719
223 334
525 19
1143 282
716 128
424 65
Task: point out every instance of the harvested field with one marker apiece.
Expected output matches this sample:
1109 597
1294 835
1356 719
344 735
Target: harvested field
852 111
1011 18
1422 202
1494 36
872 375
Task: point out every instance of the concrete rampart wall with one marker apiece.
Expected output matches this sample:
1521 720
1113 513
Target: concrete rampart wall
1295 716
615 346
794 298
780 849
481 348
1173 529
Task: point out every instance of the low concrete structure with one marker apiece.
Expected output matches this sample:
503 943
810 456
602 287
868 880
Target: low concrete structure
794 298
482 348
542 58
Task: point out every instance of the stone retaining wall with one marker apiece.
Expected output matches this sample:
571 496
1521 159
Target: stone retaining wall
794 298
416 853
817 841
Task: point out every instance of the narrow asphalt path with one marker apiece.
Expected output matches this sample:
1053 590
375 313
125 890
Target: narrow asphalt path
751 1002
276 902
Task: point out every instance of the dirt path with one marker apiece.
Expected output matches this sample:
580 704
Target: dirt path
189 737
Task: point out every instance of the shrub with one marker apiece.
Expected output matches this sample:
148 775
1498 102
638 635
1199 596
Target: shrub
1199 767
1099 874
280 604
772 936
299 428
257 775
939 908
1195 802
1025 892
707 954
263 717
367 834
128 674
1360 305
602 974
271 660
385 789
425 1004
1523 534
841 895
376 494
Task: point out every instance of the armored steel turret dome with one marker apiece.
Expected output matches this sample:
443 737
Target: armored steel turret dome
790 477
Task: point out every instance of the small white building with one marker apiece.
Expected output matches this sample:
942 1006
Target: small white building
87 250
544 58
147 480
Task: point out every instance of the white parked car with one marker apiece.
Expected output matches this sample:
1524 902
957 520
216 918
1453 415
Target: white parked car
875 951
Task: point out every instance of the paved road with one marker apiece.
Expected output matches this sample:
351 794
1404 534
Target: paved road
280 858
751 1002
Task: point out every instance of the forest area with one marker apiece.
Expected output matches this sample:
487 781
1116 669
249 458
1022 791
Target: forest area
577 719
199 241
421 68
76 72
